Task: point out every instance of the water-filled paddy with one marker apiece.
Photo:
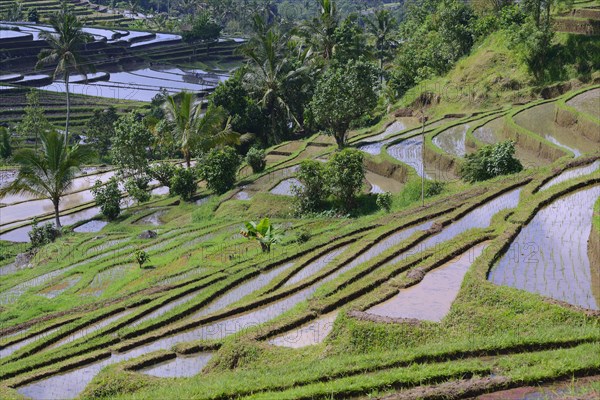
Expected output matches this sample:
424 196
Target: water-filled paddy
550 254
587 102
180 367
452 140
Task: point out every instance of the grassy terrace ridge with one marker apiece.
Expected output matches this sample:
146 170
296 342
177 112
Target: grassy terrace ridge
343 295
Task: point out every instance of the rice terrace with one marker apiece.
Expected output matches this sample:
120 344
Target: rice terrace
300 199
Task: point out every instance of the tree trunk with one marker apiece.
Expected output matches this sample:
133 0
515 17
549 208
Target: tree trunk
340 139
186 155
56 214
68 109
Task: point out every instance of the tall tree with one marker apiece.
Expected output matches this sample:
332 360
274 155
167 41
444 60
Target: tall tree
269 72
66 43
34 121
343 95
48 173
382 27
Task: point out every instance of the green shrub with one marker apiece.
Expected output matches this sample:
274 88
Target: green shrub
163 172
138 188
256 159
384 201
108 198
303 236
183 183
264 233
219 168
345 175
32 15
204 27
490 161
41 235
412 191
310 196
141 257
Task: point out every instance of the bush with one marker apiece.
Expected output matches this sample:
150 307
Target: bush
32 15
345 174
42 235
141 257
138 188
163 172
303 236
256 159
384 201
204 27
183 183
219 168
309 197
108 198
491 161
412 191
5 146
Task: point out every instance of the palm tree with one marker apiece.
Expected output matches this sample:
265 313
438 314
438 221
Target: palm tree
48 173
65 46
320 32
270 71
194 130
382 29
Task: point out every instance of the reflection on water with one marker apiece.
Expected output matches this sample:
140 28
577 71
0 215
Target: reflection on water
572 173
180 367
452 140
284 188
550 255
432 298
315 266
312 333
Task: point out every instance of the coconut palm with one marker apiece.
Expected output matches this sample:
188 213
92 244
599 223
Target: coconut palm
382 27
48 173
270 72
194 130
65 45
320 32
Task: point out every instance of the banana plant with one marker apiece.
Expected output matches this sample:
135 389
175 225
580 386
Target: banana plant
264 232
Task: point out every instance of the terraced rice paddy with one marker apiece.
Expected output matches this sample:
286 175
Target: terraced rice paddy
587 102
452 140
550 255
540 119
431 298
182 366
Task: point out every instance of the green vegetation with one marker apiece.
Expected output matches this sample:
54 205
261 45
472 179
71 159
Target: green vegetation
50 172
108 198
183 183
219 168
256 159
141 257
491 161
263 232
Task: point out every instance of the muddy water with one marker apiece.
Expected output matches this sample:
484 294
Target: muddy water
284 188
432 298
540 119
452 140
92 226
65 285
181 367
549 256
312 333
381 184
587 102
91 329
571 174
152 219
491 132
315 266
7 351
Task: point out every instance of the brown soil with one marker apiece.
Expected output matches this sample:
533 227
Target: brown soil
451 390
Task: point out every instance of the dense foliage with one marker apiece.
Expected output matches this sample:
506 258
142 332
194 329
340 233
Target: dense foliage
108 198
130 144
219 168
183 183
100 129
137 188
314 189
345 175
256 159
490 161
163 172
41 235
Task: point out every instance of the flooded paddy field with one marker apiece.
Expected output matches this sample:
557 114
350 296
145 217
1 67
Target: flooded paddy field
550 255
587 102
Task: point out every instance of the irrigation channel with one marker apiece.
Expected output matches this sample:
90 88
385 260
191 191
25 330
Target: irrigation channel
69 384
